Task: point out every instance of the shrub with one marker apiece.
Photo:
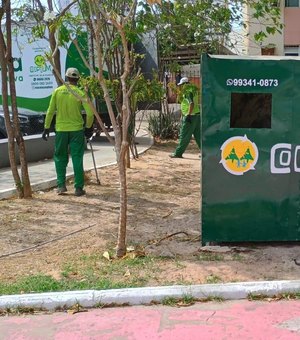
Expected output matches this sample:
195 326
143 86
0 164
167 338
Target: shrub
164 125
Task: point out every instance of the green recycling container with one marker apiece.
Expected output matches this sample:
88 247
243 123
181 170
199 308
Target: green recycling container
250 148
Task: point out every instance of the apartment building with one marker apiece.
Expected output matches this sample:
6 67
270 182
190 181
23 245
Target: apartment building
292 27
287 43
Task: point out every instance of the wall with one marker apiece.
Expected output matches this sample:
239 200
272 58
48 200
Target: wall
292 26
251 47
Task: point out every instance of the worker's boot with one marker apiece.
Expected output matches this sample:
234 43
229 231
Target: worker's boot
61 190
79 192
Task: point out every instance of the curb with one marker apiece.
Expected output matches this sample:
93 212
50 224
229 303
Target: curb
147 295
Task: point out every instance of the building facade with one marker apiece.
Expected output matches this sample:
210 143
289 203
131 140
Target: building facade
285 43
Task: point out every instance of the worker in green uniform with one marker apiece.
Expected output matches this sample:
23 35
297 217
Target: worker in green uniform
67 102
190 121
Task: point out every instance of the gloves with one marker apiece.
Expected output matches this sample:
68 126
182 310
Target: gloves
45 134
188 119
88 132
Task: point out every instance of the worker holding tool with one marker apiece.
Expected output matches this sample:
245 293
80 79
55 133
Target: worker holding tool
67 102
190 121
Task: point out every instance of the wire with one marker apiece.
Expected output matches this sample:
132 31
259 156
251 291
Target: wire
46 242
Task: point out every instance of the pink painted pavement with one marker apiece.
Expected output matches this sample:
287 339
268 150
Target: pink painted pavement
210 321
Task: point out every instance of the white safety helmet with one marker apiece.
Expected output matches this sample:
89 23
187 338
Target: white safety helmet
72 72
183 80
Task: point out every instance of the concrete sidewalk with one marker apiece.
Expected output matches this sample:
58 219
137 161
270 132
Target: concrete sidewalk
232 320
42 174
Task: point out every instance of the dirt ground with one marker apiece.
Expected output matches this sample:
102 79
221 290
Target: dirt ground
164 199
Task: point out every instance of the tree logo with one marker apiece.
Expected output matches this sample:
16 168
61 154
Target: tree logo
239 155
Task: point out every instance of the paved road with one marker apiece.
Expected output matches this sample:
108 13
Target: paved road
210 321
42 174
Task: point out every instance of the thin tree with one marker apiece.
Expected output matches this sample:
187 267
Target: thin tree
15 137
111 30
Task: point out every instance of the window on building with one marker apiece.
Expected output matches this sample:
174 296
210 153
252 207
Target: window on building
291 3
251 110
291 51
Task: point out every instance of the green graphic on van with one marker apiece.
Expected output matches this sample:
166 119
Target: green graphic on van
39 60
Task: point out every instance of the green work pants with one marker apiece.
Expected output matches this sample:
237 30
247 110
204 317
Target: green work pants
72 141
187 130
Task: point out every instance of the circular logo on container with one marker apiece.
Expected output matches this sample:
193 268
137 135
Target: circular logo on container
239 155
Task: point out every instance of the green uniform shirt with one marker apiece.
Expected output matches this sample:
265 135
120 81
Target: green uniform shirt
190 95
68 110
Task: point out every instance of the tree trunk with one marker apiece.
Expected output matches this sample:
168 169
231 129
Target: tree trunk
53 47
14 135
9 129
56 56
25 187
128 164
121 242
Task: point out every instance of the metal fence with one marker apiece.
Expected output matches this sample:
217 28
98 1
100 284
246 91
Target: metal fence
171 79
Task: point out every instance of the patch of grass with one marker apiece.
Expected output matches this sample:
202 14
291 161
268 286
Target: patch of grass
68 270
237 257
210 257
37 284
281 296
92 257
257 297
92 272
21 311
296 295
44 283
212 298
178 264
188 299
213 279
169 301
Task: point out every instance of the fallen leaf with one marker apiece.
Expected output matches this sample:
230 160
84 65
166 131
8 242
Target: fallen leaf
127 273
76 309
167 214
134 255
106 255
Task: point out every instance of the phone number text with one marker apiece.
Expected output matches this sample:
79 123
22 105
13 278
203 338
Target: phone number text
252 82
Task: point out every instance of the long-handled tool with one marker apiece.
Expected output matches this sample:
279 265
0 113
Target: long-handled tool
95 167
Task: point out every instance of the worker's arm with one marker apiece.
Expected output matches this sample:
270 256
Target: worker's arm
89 114
191 108
191 102
50 112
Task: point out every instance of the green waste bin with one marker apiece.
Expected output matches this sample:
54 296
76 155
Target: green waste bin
250 149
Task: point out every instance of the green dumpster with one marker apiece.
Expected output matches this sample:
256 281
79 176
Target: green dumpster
250 148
